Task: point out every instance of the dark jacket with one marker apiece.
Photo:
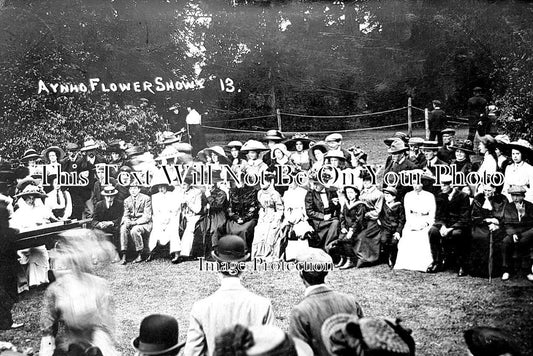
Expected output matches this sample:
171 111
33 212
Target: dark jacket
314 206
437 120
419 160
218 201
445 154
306 319
510 218
405 165
354 217
455 212
243 204
498 203
392 218
114 213
462 166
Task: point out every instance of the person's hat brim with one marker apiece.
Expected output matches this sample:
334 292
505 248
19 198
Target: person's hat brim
291 144
228 258
34 193
155 188
89 148
135 343
59 152
109 194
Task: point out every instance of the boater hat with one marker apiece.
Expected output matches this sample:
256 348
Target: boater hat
236 144
430 145
158 335
30 154
89 145
273 135
231 248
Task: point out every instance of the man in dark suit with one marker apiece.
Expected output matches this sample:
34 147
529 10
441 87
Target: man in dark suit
450 235
399 162
415 153
323 209
477 114
437 122
319 303
87 166
446 153
136 221
430 149
518 225
108 213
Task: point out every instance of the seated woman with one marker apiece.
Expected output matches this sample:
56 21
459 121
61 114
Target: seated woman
165 217
194 204
78 299
58 200
352 224
237 160
414 250
316 156
30 214
487 215
267 238
299 145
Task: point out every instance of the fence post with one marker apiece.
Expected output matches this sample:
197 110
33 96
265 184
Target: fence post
278 114
426 122
409 117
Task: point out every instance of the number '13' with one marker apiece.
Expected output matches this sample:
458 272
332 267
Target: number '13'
227 85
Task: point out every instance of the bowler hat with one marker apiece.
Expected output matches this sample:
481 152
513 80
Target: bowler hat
158 335
231 248
397 146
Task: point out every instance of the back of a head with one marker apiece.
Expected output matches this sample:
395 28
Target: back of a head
488 341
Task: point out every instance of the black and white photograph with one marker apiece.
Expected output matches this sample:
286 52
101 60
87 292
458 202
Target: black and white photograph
266 177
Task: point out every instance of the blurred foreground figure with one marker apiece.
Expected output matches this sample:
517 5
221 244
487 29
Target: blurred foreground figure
78 298
489 341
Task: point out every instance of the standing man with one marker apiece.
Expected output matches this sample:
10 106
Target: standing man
319 303
231 304
399 162
477 114
136 221
437 122
194 127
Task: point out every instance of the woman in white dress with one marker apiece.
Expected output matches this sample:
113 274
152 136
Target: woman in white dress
414 250
165 217
519 172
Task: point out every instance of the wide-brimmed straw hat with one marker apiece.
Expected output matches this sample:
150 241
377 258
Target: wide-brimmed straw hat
89 144
30 154
158 335
253 145
59 152
29 190
291 144
322 146
523 146
219 151
109 191
397 146
231 248
158 180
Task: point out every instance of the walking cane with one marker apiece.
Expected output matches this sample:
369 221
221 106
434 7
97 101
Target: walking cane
490 256
207 227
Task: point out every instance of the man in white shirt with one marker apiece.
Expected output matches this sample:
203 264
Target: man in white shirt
194 127
231 304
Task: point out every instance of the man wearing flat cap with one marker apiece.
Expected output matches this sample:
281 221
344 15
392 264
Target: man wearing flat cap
320 301
437 122
446 153
231 304
477 114
518 226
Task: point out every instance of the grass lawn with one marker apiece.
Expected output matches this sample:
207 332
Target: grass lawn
437 307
